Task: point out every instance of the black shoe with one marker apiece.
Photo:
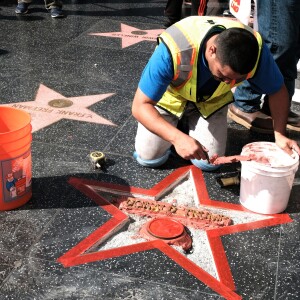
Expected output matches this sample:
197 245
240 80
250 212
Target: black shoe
22 8
56 12
293 121
227 13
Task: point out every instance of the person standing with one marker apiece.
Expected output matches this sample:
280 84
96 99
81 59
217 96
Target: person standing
53 6
173 10
279 24
191 73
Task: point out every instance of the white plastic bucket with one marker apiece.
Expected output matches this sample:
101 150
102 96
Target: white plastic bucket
265 187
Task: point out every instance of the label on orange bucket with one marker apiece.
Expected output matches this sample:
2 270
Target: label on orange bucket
16 177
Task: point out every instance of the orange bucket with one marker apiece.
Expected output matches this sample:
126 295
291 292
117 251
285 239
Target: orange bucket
15 158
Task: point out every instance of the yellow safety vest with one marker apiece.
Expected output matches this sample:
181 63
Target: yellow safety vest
184 41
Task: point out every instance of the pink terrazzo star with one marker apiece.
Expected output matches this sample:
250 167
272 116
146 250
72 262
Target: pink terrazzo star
44 112
224 285
132 35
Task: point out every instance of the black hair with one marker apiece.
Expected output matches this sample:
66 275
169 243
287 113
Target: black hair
238 49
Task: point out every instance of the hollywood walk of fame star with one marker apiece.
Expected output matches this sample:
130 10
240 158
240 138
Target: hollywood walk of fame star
50 107
224 286
132 35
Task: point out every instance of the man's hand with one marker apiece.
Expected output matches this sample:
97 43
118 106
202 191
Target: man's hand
144 111
286 144
279 106
189 148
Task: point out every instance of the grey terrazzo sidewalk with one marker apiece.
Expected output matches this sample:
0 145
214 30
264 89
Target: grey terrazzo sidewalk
94 57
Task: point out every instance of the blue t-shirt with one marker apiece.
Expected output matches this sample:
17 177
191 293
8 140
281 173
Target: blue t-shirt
158 74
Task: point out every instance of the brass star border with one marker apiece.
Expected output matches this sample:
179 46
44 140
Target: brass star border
224 286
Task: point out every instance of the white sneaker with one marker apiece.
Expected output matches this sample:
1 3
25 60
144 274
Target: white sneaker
298 66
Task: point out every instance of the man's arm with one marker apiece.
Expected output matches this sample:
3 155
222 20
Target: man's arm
279 107
144 111
278 97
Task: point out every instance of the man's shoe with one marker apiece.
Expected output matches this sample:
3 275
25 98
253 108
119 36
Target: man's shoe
56 12
293 122
256 121
22 8
227 13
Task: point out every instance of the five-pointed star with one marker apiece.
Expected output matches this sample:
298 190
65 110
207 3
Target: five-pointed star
50 107
132 35
224 286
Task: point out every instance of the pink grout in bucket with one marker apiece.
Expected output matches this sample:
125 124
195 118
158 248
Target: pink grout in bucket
266 182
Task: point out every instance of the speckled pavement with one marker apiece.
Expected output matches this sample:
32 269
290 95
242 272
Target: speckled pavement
69 241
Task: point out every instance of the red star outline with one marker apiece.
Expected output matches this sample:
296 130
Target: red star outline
224 286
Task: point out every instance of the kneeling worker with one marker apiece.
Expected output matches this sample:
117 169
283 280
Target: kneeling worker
191 72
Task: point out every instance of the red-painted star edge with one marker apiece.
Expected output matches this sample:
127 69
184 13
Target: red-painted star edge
225 286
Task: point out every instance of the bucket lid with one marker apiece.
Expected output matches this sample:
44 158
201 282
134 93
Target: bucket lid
269 155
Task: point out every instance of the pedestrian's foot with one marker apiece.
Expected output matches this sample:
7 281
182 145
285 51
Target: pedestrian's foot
56 12
227 13
22 8
256 121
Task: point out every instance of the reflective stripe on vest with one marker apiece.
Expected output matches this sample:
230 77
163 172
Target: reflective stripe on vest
184 57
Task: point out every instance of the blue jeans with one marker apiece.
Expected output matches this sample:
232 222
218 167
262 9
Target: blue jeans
279 24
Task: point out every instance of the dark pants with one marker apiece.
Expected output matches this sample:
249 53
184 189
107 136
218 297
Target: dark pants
174 7
279 24
173 10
